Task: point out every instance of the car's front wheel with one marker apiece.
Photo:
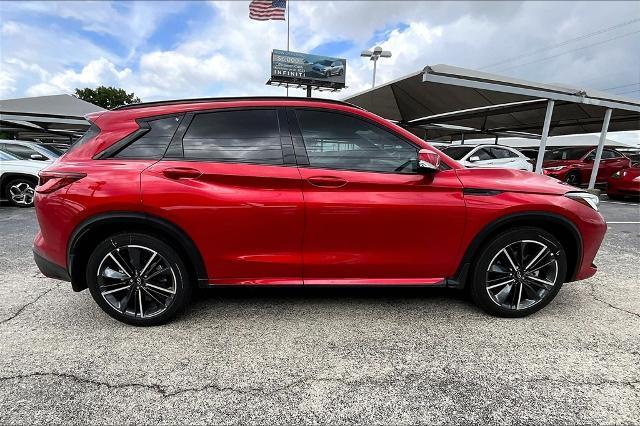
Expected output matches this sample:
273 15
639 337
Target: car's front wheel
518 273
573 178
138 279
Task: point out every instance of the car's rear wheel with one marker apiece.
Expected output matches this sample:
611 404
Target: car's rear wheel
518 273
20 192
573 178
138 279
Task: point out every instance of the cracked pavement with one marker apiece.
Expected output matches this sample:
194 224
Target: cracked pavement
323 355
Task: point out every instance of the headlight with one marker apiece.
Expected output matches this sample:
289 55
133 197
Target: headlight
616 175
585 198
554 169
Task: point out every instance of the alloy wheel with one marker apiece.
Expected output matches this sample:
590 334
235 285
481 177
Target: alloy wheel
572 179
21 193
137 281
522 274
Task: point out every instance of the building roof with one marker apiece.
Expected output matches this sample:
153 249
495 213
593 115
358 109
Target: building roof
54 105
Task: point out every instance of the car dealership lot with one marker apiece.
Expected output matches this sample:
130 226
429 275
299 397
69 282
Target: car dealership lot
402 355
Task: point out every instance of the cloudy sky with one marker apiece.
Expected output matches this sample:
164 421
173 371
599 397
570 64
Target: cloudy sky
166 49
181 49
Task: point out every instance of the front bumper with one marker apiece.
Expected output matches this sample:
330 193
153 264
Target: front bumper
622 187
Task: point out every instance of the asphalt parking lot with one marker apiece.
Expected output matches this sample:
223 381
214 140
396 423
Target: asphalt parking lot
323 355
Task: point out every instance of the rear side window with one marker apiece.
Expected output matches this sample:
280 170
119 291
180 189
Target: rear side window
338 141
244 136
91 133
503 153
153 143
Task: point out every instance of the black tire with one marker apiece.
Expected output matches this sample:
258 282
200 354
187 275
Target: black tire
573 178
26 186
491 269
161 306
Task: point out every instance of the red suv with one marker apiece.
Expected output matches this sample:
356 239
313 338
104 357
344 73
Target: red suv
574 165
157 198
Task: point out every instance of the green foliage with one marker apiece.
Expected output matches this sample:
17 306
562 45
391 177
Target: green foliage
107 97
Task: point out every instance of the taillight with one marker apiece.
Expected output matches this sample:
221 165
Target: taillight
52 181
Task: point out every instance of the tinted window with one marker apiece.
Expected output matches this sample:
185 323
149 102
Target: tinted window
483 154
338 141
55 152
154 143
566 153
607 154
502 153
22 152
457 152
251 136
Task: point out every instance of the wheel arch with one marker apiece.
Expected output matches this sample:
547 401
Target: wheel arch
562 228
94 229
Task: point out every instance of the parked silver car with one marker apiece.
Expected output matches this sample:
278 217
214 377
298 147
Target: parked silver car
328 68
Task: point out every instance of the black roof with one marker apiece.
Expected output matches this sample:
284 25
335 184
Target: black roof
230 99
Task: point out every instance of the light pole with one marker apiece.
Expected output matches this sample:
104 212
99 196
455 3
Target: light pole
377 53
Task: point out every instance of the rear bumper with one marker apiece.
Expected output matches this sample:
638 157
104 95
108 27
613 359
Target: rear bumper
50 269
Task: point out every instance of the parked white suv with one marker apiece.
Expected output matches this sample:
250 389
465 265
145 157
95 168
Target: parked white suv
494 156
18 179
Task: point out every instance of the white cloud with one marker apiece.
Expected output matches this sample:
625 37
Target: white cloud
95 73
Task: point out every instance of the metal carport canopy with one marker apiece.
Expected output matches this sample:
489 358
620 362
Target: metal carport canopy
46 116
489 103
485 103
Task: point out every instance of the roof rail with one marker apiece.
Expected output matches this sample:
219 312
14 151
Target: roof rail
229 99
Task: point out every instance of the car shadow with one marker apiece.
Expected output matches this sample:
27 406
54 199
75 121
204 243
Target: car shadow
293 294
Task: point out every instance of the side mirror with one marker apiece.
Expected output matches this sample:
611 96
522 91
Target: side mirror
38 157
474 158
428 161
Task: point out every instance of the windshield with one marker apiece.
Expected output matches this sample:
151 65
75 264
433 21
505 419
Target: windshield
325 63
566 153
457 152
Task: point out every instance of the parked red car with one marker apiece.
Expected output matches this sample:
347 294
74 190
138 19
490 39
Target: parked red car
156 198
624 183
574 165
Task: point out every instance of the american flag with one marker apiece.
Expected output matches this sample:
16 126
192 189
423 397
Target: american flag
263 10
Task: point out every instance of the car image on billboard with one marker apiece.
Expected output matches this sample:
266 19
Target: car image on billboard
307 69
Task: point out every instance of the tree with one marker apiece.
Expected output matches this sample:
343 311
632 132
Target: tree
107 97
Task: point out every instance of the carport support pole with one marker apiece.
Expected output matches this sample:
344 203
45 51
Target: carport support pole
545 134
603 138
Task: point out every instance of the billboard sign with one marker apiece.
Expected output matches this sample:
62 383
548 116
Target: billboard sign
304 68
